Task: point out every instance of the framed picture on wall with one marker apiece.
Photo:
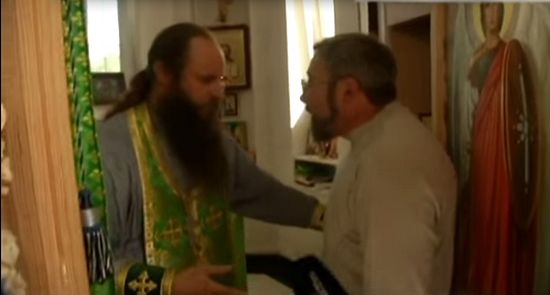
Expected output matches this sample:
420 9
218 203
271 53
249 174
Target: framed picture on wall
230 105
107 88
234 41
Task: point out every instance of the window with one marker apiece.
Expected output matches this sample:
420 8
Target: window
103 35
307 21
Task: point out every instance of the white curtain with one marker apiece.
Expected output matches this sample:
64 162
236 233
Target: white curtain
139 22
308 21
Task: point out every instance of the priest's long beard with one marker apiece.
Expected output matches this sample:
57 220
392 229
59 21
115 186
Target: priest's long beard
195 139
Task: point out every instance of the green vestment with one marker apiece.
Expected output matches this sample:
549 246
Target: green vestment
183 226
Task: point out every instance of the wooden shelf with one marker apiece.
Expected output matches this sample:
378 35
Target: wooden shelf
316 159
320 190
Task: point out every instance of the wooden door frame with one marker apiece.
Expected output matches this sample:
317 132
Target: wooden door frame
42 207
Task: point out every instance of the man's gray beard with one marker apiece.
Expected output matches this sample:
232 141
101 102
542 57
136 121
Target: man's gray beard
323 129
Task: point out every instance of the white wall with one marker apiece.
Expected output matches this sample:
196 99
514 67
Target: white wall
145 19
400 12
205 12
271 110
346 16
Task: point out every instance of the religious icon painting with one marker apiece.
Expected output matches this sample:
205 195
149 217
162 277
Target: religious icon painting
107 88
230 105
234 42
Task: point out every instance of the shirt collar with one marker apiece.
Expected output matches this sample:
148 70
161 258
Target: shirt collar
363 134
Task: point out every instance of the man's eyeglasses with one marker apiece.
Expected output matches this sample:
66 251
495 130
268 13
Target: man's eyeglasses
213 79
307 83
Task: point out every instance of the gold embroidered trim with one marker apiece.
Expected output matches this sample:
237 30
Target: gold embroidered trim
148 207
167 281
142 285
121 279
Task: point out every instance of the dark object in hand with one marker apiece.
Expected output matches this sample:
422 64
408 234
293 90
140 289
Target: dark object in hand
305 276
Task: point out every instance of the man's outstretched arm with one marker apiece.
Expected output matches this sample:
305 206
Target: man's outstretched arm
256 194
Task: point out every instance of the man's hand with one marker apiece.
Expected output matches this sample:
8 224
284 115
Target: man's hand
197 281
318 218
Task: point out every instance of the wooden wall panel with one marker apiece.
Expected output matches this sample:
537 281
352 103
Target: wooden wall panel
440 113
42 208
410 42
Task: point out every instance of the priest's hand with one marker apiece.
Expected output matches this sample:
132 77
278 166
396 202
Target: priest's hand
198 280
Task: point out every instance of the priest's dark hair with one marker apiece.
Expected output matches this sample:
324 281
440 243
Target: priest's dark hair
171 47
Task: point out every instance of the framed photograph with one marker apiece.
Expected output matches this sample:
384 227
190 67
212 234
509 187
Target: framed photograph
107 88
237 130
234 42
230 105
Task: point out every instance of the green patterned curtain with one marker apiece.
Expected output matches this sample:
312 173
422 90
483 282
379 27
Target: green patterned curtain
87 158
